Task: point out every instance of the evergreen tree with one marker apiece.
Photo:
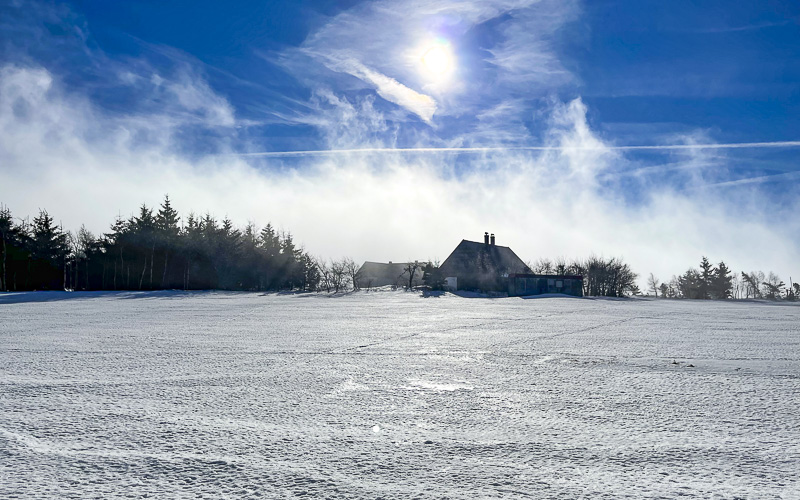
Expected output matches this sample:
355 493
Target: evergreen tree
49 252
722 282
7 234
167 233
689 284
705 285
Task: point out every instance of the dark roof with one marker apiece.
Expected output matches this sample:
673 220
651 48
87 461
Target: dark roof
471 258
380 274
548 276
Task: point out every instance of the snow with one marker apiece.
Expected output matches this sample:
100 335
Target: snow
389 394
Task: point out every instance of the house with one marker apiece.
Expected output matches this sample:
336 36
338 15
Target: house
538 284
375 274
481 266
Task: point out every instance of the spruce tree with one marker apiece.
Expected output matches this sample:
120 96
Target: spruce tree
706 279
722 283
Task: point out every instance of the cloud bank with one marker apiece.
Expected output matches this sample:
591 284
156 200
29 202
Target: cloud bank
59 152
573 193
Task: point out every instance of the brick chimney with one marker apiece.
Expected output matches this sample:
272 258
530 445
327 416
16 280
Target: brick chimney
492 239
486 238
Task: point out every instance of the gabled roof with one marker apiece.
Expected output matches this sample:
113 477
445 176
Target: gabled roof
475 258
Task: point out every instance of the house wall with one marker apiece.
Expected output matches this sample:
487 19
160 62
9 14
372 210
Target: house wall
538 285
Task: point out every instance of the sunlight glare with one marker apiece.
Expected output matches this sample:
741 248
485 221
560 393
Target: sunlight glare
437 60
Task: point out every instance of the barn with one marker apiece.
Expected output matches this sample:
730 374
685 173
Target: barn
481 266
376 274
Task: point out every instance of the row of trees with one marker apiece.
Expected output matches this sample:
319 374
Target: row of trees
152 250
601 276
155 250
719 282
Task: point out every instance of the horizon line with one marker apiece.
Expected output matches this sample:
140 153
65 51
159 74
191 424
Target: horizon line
665 147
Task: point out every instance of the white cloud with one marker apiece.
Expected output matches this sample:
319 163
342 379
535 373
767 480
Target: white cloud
58 151
390 89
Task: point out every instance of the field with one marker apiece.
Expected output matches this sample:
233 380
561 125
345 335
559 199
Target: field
392 395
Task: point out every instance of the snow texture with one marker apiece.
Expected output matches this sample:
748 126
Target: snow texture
392 395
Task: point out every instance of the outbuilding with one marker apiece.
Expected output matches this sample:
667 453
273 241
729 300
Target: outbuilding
539 284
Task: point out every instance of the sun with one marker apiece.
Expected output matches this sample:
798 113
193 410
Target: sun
437 60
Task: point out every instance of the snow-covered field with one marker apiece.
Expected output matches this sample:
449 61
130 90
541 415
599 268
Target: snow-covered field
392 395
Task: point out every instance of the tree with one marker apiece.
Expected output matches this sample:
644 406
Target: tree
326 279
795 287
773 287
751 284
432 276
167 233
664 290
652 284
542 266
49 252
411 269
353 270
338 275
6 233
705 283
689 284
722 282
145 237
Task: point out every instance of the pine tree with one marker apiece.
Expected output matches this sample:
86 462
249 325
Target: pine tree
49 252
722 282
706 279
6 232
167 232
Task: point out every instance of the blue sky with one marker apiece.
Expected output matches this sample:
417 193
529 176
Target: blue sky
105 105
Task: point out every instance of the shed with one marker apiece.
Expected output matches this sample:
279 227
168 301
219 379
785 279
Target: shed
538 284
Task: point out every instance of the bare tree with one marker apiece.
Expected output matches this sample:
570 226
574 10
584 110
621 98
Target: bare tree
560 266
652 284
411 268
542 266
338 275
325 281
353 271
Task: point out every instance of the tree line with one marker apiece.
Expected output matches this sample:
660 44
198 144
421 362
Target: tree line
152 250
602 277
719 282
157 249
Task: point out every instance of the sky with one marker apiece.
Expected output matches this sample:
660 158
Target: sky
658 132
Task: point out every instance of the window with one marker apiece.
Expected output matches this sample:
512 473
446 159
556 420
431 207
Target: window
559 284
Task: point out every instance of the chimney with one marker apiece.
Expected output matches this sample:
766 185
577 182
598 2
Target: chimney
486 238
493 239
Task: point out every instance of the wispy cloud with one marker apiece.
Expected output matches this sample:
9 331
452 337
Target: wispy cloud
505 149
390 89
380 43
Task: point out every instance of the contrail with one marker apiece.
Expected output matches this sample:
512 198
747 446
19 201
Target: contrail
660 147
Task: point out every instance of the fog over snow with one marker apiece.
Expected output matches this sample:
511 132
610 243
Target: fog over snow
99 114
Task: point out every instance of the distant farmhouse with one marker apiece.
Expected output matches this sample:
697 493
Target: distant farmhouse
489 267
475 266
375 274
480 266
